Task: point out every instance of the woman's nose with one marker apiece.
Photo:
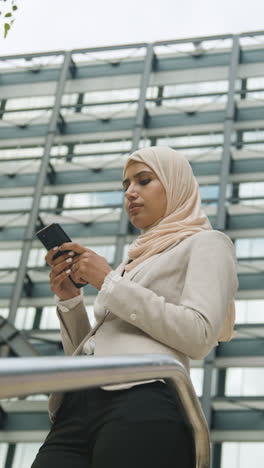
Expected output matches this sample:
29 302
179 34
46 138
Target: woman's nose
131 192
130 196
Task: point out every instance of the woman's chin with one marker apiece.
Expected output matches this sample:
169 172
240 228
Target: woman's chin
139 223
140 226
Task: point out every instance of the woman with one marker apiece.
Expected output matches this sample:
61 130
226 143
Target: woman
173 295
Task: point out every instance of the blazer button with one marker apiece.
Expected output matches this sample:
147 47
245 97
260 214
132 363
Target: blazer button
133 317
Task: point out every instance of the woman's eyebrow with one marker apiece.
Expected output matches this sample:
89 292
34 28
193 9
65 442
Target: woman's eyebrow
137 175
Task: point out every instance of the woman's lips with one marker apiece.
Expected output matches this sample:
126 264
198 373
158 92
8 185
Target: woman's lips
134 209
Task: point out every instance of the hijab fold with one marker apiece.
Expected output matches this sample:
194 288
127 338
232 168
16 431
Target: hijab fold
183 217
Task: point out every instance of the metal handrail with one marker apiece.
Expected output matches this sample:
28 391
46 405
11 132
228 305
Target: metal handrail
27 376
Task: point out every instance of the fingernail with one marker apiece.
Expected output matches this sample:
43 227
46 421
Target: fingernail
68 271
55 248
69 260
71 254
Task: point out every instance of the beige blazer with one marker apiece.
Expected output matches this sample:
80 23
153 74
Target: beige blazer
179 300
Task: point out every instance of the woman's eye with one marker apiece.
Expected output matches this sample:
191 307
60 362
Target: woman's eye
145 181
141 182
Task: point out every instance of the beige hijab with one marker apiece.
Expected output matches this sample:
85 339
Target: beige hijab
184 215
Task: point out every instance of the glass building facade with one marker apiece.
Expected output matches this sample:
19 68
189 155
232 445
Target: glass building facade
68 121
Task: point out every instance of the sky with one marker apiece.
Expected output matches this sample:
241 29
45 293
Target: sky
45 25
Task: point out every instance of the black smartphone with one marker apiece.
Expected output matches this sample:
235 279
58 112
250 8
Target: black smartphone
53 235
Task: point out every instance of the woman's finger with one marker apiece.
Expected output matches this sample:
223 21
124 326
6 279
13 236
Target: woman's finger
56 281
77 248
62 266
75 267
50 254
50 257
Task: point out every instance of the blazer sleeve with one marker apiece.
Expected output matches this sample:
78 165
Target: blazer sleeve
193 325
74 326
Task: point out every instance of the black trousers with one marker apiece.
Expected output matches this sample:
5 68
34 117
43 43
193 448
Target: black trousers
140 427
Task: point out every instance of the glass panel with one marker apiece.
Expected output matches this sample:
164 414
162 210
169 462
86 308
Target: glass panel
102 147
49 319
191 140
256 147
86 215
144 143
107 104
60 150
69 99
197 380
152 92
100 161
252 189
40 396
25 454
194 48
196 88
108 111
4 311
256 84
34 64
14 167
22 153
37 258
250 247
244 382
29 102
26 117
109 56
190 93
242 454
250 40
111 95
25 318
87 200
15 203
48 201
209 192
255 135
15 219
10 258
251 311
3 453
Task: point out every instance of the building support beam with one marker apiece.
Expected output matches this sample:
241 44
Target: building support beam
15 340
221 224
10 455
216 455
228 127
141 118
44 167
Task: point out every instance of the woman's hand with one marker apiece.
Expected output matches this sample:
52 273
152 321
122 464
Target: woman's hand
87 266
60 282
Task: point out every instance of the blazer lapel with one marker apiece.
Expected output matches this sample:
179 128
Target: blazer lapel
130 274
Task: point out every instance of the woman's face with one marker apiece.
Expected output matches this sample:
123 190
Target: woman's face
145 196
